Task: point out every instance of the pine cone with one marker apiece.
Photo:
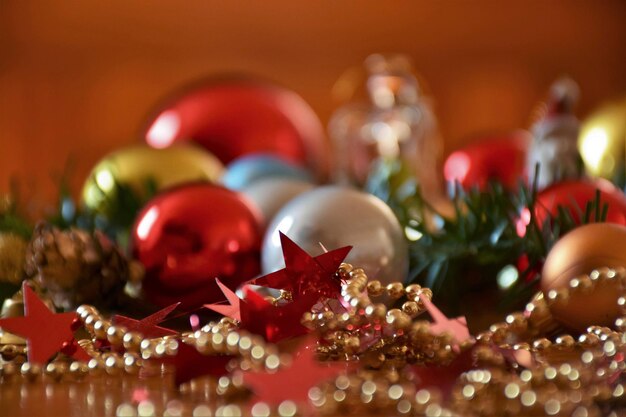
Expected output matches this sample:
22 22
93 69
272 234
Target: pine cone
76 267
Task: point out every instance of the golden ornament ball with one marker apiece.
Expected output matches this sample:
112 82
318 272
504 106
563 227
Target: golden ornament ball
134 166
12 258
585 249
602 140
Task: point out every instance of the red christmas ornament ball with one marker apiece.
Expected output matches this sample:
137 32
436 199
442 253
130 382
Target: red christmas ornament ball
574 195
501 158
190 235
235 117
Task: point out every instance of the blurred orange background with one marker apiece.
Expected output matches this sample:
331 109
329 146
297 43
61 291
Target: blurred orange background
77 79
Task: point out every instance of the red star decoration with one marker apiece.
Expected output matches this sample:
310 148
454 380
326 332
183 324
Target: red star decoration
275 323
292 383
304 274
46 332
189 364
456 327
148 325
255 314
233 308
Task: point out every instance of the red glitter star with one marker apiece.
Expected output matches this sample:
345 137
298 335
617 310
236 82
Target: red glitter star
45 331
275 323
292 383
148 325
304 274
257 315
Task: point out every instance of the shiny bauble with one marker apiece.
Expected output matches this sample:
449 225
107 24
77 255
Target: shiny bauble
235 117
336 216
501 158
574 195
136 165
581 251
602 141
271 194
248 169
190 235
12 258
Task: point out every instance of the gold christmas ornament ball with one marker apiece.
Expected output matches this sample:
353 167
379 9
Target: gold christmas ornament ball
602 140
12 258
587 248
135 165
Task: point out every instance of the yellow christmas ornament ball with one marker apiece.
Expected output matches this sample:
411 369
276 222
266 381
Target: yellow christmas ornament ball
135 165
602 140
587 248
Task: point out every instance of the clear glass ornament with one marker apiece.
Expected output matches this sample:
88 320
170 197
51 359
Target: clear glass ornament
396 122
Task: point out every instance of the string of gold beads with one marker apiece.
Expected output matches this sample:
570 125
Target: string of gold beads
574 387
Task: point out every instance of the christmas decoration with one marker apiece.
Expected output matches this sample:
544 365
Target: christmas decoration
11 220
12 258
270 195
602 142
370 348
577 254
46 332
275 322
572 196
233 308
339 216
248 169
396 123
501 158
554 137
231 118
477 249
457 328
77 267
122 181
293 383
188 236
148 325
304 274
408 366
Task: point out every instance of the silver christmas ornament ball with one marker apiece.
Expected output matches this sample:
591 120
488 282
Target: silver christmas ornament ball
336 216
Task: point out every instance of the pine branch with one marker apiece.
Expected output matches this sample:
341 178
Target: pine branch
468 252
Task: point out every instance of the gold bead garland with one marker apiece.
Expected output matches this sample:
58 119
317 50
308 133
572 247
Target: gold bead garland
570 376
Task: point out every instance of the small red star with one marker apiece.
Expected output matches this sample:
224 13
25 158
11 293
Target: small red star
456 327
148 325
304 274
233 308
45 331
259 316
292 383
